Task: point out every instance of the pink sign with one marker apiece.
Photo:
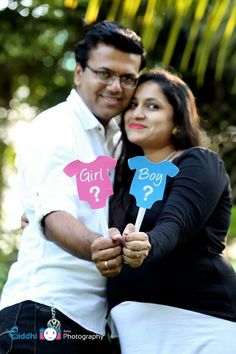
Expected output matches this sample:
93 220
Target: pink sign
93 182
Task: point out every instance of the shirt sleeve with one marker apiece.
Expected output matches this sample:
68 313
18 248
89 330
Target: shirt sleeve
135 162
72 168
171 169
44 186
194 194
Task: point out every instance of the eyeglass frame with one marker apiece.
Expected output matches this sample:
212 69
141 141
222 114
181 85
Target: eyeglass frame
113 77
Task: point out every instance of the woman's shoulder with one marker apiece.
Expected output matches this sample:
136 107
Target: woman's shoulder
201 158
199 152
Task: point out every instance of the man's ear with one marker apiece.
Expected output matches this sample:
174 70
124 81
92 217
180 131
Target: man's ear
77 74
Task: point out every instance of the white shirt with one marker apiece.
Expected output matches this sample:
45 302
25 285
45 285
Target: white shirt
44 272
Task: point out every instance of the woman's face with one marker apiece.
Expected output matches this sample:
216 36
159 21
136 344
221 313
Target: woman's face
149 120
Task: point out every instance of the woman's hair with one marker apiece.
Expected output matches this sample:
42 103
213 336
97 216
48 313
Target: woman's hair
186 134
113 34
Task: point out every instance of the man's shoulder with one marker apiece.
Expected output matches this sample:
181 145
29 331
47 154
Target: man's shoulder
53 113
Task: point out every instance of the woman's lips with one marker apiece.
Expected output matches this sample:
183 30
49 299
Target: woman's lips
137 126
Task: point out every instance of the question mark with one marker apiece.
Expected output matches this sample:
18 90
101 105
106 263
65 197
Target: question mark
150 190
96 191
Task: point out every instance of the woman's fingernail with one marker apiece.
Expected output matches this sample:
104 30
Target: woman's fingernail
114 232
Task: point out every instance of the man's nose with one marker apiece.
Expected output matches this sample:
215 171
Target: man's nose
115 85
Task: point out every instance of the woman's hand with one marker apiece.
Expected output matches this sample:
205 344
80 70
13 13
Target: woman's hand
107 253
136 246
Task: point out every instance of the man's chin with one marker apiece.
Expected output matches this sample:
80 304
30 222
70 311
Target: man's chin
106 116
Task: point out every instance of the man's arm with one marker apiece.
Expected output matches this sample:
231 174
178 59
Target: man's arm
69 233
76 239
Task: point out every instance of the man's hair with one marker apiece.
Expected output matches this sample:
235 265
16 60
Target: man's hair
113 34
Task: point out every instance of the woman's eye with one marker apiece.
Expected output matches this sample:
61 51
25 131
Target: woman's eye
153 106
132 105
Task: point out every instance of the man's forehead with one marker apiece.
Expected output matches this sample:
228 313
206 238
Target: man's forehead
104 55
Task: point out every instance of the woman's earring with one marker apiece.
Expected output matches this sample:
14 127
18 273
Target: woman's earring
176 130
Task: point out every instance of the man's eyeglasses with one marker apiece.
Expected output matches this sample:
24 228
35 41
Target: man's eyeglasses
126 81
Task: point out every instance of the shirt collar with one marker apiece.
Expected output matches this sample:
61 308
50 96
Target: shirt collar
84 115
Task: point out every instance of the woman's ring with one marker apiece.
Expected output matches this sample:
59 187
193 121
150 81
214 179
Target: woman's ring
106 265
138 255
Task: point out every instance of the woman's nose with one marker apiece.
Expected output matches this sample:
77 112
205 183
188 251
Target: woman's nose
138 112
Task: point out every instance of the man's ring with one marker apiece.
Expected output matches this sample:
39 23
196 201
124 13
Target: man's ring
106 265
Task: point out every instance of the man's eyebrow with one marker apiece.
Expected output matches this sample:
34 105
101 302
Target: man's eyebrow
103 68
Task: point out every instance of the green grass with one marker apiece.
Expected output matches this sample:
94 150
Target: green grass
232 230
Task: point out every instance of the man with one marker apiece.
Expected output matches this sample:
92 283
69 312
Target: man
54 299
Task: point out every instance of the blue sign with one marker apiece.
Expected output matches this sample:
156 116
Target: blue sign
149 181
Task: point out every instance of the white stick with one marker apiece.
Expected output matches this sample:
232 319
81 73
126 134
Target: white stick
139 219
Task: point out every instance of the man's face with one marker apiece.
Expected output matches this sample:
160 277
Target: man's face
106 100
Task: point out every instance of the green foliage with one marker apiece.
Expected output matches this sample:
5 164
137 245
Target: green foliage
232 230
8 253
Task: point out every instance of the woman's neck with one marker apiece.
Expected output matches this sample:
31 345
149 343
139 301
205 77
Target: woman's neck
166 153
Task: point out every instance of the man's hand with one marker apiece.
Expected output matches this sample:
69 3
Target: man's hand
107 253
24 221
136 246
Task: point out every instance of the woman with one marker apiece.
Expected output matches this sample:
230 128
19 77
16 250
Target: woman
182 299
